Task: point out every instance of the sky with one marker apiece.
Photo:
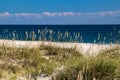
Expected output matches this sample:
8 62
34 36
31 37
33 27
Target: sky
59 11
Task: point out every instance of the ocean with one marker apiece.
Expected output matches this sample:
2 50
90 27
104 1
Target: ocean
104 34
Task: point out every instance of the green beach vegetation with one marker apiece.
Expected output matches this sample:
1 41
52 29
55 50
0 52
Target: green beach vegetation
32 62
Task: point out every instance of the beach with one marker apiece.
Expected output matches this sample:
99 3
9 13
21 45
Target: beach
83 48
49 59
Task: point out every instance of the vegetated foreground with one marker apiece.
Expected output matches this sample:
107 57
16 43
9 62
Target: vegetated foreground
55 63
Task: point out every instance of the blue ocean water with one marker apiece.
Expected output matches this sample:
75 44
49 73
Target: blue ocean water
62 33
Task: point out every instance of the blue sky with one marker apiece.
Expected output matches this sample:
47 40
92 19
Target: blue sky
59 11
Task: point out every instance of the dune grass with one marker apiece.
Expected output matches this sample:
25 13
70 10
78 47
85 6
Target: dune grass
31 62
25 61
105 66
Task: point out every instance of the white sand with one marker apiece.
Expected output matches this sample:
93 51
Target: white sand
84 48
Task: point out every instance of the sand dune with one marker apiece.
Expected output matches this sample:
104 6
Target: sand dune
84 48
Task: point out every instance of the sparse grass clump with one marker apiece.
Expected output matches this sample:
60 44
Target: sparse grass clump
113 53
27 61
102 67
87 69
60 54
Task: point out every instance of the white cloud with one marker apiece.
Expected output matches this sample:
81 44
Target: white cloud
60 14
49 14
27 15
109 13
63 14
5 14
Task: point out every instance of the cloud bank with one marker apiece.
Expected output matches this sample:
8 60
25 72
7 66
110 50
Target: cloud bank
60 14
79 17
